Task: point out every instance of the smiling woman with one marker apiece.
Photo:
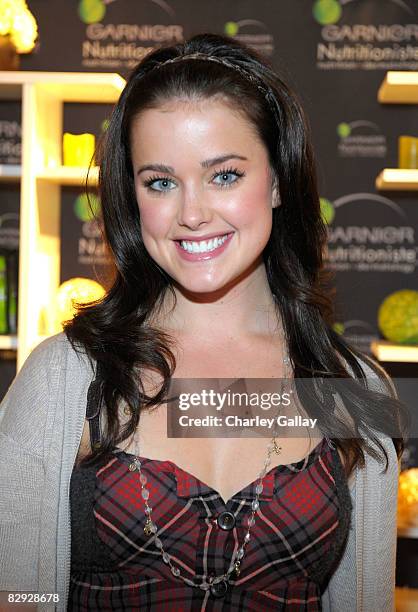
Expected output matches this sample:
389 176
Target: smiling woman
196 210
212 217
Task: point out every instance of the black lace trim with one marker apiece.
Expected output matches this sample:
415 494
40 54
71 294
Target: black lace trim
88 552
322 570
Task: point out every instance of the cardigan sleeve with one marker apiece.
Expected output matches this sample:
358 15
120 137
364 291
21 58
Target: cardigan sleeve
24 436
379 526
364 580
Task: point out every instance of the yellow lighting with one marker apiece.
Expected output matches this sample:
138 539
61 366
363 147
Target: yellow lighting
72 292
6 16
408 498
17 21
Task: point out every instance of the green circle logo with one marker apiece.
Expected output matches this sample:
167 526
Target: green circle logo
327 210
87 208
231 28
91 11
343 130
326 12
339 328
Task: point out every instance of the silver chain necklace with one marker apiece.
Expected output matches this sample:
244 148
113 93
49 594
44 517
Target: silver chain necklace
217 585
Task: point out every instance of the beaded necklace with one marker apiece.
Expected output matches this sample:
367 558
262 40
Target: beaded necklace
217 585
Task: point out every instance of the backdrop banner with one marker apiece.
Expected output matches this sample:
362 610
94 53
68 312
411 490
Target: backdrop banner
334 53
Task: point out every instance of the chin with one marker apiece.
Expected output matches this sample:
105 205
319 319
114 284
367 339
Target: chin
205 286
202 288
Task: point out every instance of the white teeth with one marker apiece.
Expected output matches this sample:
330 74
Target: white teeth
203 246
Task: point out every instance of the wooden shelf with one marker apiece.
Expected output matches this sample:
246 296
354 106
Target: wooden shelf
406 599
65 86
407 532
399 88
42 96
10 173
8 343
69 175
397 179
389 351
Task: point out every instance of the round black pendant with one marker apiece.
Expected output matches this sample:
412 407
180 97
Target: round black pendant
219 589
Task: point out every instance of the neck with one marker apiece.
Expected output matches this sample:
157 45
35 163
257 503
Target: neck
244 308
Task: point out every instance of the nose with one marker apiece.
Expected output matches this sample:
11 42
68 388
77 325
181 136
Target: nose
193 209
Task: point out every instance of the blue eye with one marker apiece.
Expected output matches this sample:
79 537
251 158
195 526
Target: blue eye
153 181
224 174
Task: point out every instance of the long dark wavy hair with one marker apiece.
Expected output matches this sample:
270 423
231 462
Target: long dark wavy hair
115 332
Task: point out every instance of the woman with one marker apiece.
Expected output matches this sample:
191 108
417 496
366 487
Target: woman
212 217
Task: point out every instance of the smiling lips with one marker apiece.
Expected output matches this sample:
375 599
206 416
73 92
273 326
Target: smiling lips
203 249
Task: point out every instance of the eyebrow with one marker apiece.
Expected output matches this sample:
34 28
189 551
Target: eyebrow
207 163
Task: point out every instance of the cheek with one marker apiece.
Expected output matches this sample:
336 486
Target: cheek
155 218
252 207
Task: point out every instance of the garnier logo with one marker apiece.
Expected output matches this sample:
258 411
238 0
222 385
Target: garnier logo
111 45
360 138
328 12
252 32
370 233
353 35
93 11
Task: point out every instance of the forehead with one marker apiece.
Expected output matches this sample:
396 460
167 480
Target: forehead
193 121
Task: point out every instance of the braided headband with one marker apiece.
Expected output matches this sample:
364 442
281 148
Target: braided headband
265 89
218 60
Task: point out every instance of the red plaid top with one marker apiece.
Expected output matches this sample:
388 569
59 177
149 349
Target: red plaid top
296 541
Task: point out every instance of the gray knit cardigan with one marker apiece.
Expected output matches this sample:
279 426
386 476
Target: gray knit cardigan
41 423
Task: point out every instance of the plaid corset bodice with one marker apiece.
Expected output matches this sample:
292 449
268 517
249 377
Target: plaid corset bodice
296 542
